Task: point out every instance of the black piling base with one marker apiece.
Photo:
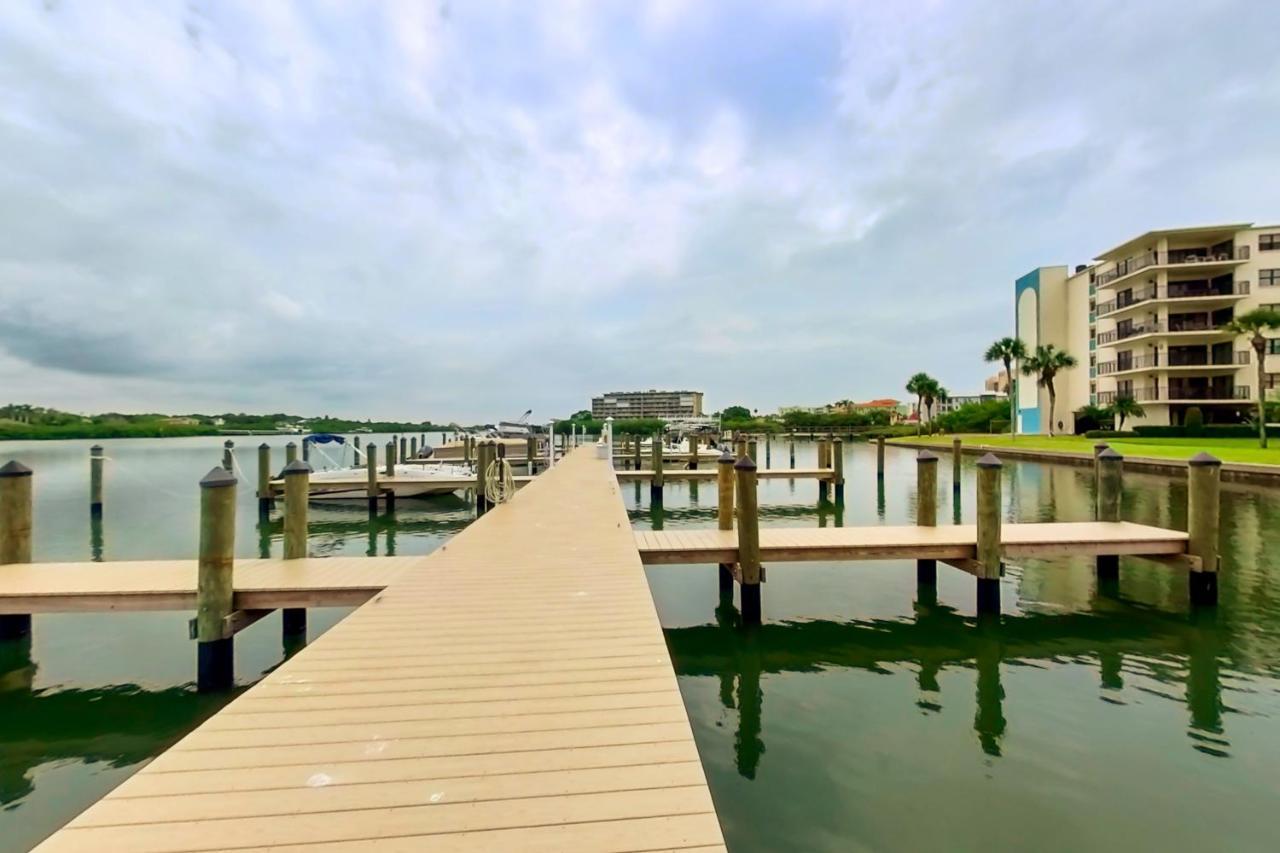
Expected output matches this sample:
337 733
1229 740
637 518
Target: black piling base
1108 568
391 501
293 621
373 506
926 572
726 581
655 494
215 664
751 604
15 627
1204 588
839 493
988 595
824 491
95 510
264 507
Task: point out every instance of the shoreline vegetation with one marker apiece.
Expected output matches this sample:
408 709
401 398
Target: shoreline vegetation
1241 450
31 423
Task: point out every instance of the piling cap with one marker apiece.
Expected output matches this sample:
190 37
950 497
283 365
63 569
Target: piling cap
96 449
726 458
297 466
1100 446
228 443
264 444
926 456
292 444
989 461
1200 458
217 478
744 464
1110 455
14 468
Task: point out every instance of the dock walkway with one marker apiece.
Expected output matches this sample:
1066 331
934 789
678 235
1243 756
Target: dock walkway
511 691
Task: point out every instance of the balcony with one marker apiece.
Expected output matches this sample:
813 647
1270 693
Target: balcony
1175 291
1201 258
1177 394
1173 327
1172 362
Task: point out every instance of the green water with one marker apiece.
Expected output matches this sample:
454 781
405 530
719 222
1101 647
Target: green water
859 717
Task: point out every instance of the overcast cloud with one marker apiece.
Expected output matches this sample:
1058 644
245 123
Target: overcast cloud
460 210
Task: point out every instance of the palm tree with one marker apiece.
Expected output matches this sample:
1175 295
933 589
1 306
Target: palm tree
1008 351
1254 323
932 391
1044 364
1126 407
915 385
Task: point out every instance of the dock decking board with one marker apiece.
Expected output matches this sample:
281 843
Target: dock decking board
896 542
587 749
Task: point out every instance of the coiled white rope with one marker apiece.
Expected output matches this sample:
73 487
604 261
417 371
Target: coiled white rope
499 484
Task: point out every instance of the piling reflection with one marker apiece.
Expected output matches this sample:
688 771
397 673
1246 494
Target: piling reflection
939 638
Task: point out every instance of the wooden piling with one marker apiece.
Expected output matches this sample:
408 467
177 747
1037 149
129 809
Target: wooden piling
297 488
635 453
404 448
955 463
413 448
880 456
1204 486
988 553
822 453
215 653
391 458
15 535
753 450
96 461
1097 484
264 478
837 466
724 515
486 455
306 450
926 511
1110 473
466 449
531 454
792 444
768 451
693 452
748 539
371 471
228 455
355 450
657 481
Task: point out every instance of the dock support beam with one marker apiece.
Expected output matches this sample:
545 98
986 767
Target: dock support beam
371 470
215 650
793 449
1110 486
635 453
955 464
413 448
297 487
485 456
264 479
837 460
15 536
693 452
824 461
656 482
926 511
1204 485
748 539
96 461
988 556
724 516
753 450
880 457
531 454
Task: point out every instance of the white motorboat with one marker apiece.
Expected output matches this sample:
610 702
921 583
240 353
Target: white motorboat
410 481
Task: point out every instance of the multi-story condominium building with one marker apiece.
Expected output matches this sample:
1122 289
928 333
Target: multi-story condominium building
1144 321
648 404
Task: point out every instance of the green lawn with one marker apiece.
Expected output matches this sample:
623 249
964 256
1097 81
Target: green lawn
1226 449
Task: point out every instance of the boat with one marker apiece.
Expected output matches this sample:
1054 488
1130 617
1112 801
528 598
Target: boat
411 481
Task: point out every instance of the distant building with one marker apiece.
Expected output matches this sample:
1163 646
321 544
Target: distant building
180 421
941 407
803 410
667 405
998 384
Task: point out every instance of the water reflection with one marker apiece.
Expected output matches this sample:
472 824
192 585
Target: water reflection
939 638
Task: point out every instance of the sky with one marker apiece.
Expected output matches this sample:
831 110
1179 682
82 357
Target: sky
459 210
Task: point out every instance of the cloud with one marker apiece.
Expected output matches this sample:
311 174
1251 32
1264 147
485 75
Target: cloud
462 210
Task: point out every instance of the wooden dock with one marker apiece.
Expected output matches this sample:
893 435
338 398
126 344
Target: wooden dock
171 584
512 691
709 474
953 543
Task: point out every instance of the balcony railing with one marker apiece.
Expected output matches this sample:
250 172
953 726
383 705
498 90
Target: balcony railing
1147 362
1171 291
1128 266
1156 393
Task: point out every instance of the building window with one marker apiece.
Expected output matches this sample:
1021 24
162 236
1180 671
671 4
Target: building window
1271 380
1273 346
1268 278
1268 242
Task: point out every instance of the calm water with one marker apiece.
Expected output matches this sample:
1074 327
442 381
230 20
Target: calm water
858 717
